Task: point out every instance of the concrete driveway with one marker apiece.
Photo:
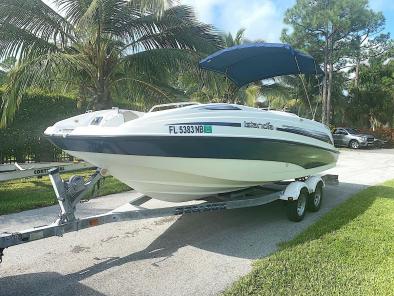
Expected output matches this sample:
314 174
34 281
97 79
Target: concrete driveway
190 255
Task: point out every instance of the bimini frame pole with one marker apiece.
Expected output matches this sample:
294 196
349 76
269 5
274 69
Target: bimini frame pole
303 84
320 90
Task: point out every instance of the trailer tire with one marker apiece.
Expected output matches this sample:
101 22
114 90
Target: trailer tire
296 208
315 199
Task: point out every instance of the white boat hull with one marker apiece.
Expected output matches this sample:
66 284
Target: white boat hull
176 179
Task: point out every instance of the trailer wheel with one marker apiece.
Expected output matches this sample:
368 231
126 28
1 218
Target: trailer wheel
315 198
296 208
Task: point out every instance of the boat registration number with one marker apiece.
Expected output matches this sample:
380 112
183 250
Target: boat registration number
190 129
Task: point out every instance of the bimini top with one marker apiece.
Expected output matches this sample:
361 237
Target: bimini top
251 62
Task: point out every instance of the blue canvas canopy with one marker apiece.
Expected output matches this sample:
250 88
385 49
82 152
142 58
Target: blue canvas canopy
251 62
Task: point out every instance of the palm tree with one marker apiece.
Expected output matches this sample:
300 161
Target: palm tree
98 48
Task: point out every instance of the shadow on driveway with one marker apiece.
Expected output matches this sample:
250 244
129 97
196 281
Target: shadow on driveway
244 233
43 283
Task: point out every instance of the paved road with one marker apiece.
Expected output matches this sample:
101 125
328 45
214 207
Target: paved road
190 255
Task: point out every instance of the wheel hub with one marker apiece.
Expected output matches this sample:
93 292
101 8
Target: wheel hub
301 205
317 197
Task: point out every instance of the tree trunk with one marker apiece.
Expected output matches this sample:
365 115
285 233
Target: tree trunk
103 98
324 94
372 122
329 88
357 76
329 85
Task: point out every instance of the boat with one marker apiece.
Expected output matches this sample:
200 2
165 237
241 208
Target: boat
187 151
198 150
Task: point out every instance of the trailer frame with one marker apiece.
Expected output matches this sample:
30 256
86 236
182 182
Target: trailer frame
70 193
16 171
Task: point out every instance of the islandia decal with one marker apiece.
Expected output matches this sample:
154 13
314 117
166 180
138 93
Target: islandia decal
251 124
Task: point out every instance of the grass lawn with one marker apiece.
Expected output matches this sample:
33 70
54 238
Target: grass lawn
350 251
26 194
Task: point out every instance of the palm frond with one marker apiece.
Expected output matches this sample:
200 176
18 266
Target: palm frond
73 9
176 28
37 19
277 90
144 93
230 41
110 15
150 72
16 42
158 63
154 6
120 14
94 15
39 72
239 36
252 93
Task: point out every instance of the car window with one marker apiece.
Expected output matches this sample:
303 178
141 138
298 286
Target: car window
339 131
352 131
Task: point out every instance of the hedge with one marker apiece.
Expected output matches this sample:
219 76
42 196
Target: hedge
23 139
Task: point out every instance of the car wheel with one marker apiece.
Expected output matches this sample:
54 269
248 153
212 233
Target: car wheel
354 144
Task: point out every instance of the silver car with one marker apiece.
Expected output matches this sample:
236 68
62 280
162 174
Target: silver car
350 137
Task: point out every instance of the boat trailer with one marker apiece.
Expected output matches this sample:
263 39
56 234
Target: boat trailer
300 194
16 171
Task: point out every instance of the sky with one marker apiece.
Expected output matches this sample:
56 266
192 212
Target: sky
262 19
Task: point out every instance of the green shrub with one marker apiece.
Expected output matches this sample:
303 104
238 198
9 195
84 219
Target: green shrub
23 138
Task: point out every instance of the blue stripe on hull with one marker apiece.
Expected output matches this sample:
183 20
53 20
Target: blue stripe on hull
304 155
311 134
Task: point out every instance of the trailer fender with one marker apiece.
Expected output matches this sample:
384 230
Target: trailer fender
312 182
293 190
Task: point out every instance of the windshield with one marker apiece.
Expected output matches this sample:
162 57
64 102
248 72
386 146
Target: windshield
171 106
352 131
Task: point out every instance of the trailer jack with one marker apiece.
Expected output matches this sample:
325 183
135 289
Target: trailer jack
69 193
